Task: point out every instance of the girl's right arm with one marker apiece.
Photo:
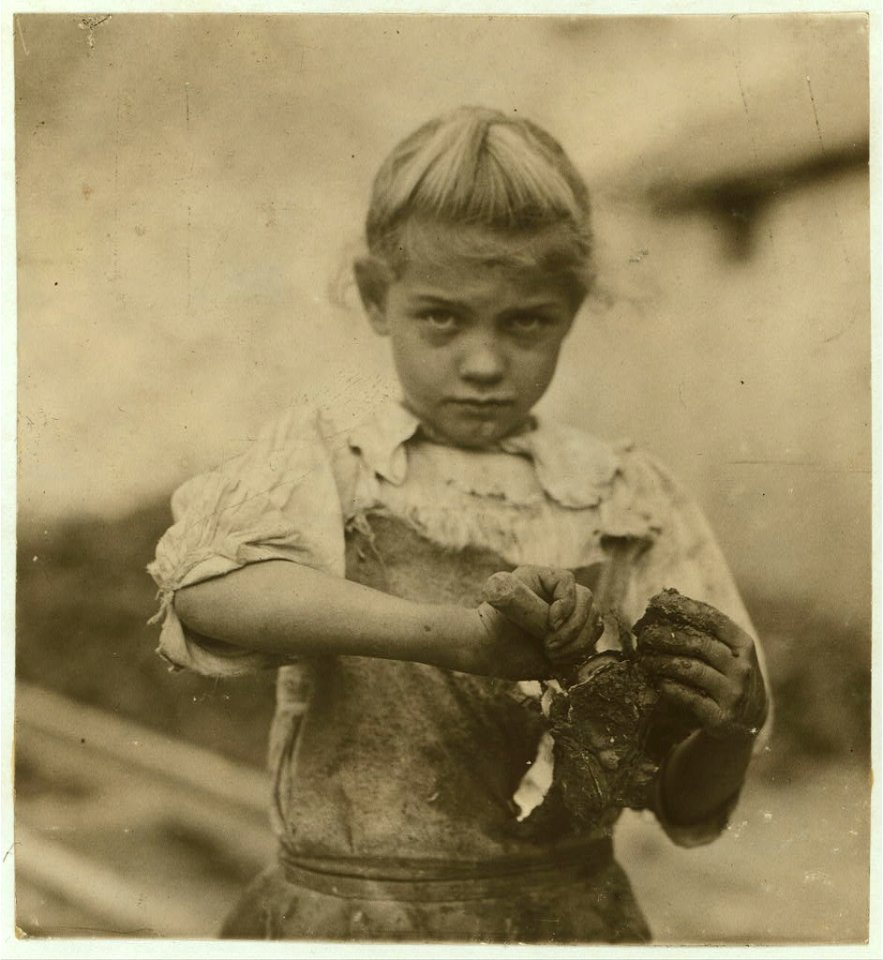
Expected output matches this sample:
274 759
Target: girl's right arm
290 610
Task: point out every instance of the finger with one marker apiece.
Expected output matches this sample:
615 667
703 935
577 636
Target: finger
704 709
574 625
692 673
581 645
555 585
571 627
711 717
541 580
708 619
578 636
577 650
563 592
513 598
661 639
730 633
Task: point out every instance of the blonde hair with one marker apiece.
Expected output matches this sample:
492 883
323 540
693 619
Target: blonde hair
480 167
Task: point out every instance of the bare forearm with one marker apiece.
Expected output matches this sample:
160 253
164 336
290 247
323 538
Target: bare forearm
703 773
291 610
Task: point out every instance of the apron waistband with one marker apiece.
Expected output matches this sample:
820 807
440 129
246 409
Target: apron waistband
355 878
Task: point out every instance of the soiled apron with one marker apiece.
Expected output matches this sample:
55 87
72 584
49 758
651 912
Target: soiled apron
394 786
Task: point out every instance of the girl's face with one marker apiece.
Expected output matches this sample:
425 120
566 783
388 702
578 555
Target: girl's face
475 344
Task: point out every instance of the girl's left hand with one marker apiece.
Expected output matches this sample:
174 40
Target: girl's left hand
713 672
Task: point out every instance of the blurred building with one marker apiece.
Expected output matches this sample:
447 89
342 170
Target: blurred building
743 268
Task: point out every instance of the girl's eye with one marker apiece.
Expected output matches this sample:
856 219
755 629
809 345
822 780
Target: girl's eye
438 320
529 323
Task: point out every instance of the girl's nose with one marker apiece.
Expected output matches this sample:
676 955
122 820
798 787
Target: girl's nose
482 362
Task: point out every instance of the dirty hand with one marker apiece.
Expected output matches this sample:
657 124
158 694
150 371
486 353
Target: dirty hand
710 666
547 603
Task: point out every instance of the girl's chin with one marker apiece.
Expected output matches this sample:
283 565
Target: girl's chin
471 434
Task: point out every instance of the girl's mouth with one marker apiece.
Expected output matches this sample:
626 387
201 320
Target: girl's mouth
482 409
489 403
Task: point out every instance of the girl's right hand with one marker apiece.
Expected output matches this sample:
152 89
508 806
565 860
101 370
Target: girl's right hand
539 616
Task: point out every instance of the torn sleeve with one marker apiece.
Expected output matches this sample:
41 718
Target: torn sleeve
277 501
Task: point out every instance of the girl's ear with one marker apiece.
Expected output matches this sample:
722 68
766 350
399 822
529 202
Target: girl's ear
372 279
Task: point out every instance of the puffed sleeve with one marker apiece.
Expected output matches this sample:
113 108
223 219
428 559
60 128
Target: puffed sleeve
277 501
685 555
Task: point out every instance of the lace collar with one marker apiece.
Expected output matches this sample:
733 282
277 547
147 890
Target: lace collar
573 468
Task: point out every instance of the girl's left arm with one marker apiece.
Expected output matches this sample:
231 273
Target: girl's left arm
702 777
718 672
718 679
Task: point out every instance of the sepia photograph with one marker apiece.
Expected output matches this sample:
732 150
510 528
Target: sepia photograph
441 495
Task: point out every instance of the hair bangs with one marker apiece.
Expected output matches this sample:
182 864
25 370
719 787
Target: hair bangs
479 167
489 175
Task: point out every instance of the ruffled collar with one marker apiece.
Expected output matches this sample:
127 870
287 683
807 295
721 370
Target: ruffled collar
573 468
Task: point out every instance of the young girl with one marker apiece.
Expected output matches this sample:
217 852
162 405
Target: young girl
354 561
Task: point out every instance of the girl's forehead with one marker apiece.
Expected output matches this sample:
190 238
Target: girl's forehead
462 278
451 254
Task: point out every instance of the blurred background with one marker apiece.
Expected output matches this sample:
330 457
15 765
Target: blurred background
190 193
